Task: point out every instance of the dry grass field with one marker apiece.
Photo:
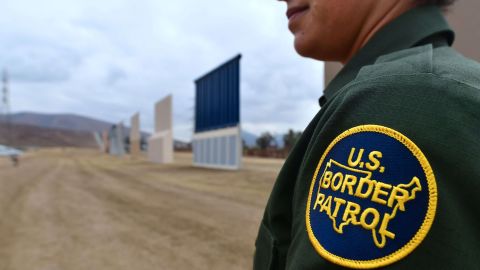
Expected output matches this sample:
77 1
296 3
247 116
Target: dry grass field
79 209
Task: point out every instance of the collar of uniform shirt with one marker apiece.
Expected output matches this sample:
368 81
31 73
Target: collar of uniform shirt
412 28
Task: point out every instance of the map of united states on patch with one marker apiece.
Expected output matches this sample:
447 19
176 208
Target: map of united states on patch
357 183
372 198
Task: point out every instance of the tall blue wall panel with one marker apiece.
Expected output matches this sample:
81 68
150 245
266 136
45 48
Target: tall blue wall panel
217 97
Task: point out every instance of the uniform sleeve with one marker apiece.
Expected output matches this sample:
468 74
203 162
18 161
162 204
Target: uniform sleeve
391 179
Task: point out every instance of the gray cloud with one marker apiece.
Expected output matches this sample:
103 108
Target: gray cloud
109 59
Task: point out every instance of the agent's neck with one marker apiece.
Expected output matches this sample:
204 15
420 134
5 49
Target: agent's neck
378 19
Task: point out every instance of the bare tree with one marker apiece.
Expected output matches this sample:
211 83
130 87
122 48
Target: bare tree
291 138
265 140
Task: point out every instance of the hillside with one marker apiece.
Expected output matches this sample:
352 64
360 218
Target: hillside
24 136
60 121
75 130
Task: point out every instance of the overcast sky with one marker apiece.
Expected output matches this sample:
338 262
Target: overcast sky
109 59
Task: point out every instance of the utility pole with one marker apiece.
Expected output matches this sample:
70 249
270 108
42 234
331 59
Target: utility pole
5 107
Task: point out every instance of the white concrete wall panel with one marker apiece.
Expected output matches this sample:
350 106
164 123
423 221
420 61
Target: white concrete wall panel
160 148
163 114
160 144
218 149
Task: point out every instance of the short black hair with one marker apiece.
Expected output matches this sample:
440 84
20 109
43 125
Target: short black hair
440 3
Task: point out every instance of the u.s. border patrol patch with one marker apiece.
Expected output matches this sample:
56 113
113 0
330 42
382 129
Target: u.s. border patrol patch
372 199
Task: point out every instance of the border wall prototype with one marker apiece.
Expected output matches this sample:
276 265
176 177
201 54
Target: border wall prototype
135 136
99 140
217 139
106 142
117 140
160 144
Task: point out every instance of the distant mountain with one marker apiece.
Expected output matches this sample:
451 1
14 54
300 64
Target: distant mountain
67 124
71 122
60 121
25 136
78 124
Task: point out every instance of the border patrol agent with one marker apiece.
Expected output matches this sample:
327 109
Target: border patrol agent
387 174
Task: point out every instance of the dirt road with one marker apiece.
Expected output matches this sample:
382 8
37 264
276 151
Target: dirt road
77 209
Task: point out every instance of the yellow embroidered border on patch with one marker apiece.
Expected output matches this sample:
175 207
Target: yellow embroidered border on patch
396 190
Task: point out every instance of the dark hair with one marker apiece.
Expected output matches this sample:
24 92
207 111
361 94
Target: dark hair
440 3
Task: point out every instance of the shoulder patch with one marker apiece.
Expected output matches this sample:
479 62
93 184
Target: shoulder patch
372 199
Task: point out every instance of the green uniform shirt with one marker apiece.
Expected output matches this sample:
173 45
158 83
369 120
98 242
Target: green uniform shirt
387 173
